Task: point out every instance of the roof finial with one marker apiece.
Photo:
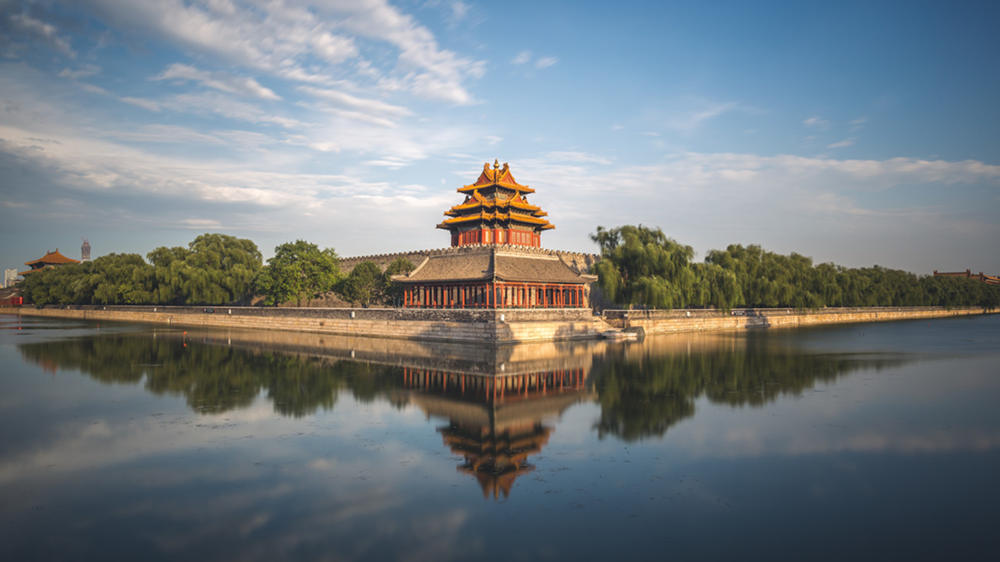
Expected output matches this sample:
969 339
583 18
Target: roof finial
496 163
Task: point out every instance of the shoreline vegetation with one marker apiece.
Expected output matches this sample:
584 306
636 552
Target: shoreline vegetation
640 267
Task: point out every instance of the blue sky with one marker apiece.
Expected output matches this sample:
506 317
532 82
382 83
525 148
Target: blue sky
860 133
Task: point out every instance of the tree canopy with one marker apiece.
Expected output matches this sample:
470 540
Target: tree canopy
298 270
365 284
213 269
641 266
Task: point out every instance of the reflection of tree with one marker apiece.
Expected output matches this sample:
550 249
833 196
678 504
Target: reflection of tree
215 378
645 395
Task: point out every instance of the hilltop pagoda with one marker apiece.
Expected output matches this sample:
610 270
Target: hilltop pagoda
50 259
496 260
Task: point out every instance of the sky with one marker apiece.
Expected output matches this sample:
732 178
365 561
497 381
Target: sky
860 133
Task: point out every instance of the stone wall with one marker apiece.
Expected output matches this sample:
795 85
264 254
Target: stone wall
484 326
493 326
677 321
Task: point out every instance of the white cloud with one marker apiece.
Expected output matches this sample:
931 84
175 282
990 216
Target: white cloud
429 71
816 122
841 144
225 106
283 37
353 102
522 58
691 120
218 80
140 102
202 224
459 10
82 72
334 48
545 62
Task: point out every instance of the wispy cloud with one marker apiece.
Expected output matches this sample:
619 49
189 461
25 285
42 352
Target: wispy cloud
140 102
545 62
221 81
356 103
841 144
693 119
81 72
816 122
522 58
285 38
44 30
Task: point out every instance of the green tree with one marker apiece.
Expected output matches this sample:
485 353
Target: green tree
298 270
394 291
642 266
365 284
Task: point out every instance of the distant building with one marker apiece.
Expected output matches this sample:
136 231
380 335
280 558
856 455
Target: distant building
85 250
50 259
988 279
9 277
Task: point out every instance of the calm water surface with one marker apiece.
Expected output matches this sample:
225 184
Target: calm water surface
874 441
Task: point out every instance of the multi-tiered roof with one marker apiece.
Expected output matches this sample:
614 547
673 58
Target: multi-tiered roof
495 211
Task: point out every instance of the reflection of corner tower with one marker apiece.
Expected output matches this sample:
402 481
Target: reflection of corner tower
496 259
495 421
496 458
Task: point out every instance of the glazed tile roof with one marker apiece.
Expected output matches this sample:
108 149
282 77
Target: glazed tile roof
492 263
53 258
490 207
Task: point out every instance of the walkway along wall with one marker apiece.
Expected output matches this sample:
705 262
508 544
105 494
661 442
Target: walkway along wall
678 321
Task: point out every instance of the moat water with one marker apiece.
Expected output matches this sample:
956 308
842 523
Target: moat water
869 441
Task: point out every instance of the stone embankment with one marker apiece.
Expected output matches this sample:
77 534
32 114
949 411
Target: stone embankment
678 321
491 326
484 326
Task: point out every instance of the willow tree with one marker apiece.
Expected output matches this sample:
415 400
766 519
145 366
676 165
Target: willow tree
213 269
642 266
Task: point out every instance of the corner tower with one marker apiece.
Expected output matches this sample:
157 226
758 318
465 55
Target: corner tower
495 211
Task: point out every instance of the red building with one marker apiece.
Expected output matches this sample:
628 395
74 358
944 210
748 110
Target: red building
496 259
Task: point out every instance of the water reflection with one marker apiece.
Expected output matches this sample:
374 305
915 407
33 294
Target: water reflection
644 390
496 400
496 422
